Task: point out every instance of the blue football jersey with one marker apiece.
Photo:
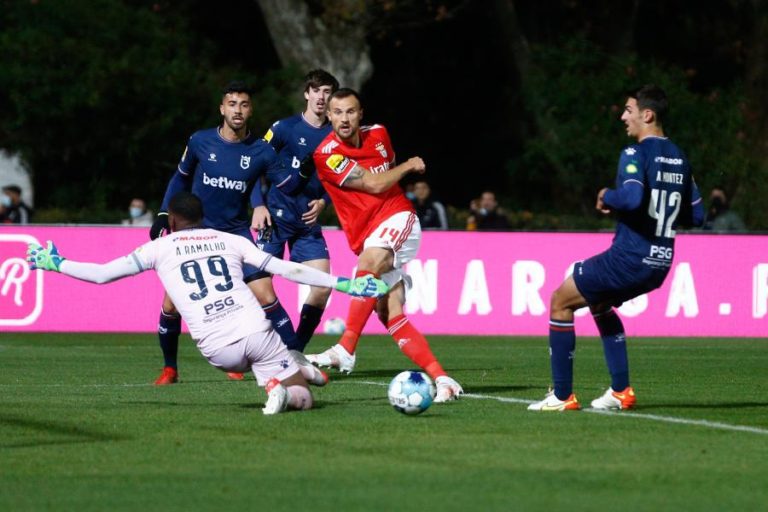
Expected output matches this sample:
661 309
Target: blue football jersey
224 176
294 139
658 172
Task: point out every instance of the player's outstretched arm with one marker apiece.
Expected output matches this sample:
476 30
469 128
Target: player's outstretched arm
366 286
360 178
48 258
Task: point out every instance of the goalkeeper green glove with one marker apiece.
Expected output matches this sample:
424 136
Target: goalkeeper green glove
44 258
366 286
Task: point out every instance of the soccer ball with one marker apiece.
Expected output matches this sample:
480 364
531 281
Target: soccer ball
334 326
411 392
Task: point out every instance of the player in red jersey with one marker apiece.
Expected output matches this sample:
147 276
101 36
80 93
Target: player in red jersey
356 164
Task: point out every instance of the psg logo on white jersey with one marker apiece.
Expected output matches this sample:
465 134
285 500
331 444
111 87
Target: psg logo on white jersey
245 161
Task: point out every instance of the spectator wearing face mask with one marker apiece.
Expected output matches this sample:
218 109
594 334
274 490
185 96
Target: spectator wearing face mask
486 215
13 208
138 214
720 217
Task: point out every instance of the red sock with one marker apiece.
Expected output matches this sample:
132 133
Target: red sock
414 345
359 310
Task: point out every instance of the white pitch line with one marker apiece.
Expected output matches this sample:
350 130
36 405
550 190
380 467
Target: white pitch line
625 414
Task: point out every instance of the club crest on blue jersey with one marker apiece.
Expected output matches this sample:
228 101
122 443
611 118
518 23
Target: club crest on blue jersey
245 161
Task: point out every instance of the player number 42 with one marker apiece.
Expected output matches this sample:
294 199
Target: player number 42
657 209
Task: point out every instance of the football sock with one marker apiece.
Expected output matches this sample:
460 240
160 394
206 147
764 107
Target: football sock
615 348
299 397
414 345
168 331
309 320
562 345
281 322
360 309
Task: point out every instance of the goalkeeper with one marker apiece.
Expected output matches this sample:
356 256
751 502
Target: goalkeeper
202 271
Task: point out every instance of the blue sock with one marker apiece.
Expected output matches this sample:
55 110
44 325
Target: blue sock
168 331
281 322
309 320
562 345
615 348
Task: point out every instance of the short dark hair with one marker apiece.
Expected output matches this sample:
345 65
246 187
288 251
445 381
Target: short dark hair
187 206
237 86
12 188
319 78
345 92
651 97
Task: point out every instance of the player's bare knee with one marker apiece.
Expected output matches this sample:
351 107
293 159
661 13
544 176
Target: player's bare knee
263 291
168 308
318 297
558 305
382 311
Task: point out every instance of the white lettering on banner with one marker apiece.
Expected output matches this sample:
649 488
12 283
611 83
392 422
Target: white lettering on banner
634 306
760 290
423 296
14 272
527 279
682 293
474 291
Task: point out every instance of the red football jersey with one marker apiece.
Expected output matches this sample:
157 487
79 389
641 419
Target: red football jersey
359 212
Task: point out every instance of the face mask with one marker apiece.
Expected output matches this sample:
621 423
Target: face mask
135 212
410 195
5 200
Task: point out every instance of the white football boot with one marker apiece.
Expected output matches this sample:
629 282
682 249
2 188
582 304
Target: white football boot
615 399
335 357
447 389
552 403
277 398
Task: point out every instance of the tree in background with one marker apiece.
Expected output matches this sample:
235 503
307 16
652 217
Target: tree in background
99 97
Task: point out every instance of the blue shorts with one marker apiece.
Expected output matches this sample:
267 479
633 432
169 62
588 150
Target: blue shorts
250 273
304 245
610 278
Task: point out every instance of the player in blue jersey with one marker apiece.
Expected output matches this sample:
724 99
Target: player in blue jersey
223 167
654 194
296 201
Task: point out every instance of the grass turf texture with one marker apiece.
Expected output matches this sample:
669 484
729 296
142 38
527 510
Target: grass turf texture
82 428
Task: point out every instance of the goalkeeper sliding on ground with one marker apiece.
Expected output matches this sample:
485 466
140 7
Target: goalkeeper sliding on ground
201 269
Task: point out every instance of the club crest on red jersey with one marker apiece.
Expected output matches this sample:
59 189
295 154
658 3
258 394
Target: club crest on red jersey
381 149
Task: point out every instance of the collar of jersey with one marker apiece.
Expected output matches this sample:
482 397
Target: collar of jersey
218 133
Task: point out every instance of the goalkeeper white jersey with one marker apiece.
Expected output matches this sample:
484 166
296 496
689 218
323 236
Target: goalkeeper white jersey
202 271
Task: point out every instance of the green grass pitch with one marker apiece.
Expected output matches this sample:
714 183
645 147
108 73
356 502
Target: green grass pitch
82 428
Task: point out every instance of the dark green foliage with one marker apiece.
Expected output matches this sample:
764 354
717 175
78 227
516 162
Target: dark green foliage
575 96
99 98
